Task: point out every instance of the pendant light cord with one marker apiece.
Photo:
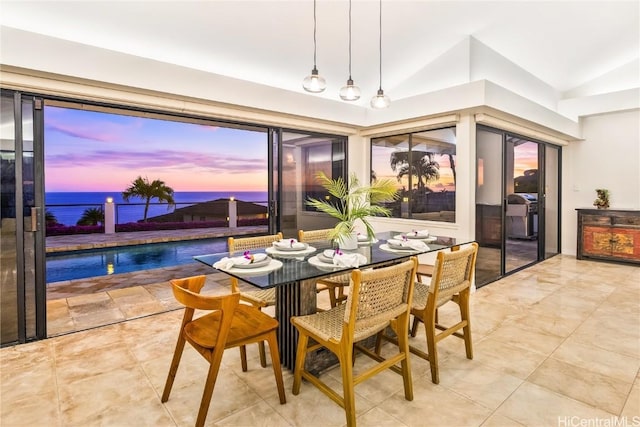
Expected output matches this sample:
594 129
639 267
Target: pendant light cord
350 40
380 32
314 34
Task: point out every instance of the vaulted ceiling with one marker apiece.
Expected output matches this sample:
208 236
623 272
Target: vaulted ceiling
570 49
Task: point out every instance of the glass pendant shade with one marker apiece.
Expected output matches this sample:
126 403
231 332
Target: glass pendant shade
380 100
350 92
314 83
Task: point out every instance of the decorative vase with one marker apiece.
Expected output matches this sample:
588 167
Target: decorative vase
349 242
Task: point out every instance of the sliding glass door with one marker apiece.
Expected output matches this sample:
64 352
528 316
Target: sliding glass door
22 288
517 202
302 155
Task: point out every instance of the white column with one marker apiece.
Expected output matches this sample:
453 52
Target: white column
109 216
233 213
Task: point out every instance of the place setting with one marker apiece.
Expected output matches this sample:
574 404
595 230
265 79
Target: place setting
289 248
415 241
422 235
248 264
331 259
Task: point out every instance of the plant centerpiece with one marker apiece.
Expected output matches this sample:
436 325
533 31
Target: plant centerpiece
602 202
352 202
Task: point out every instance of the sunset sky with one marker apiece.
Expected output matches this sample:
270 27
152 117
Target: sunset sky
92 151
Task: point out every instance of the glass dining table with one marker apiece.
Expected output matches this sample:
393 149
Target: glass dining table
294 276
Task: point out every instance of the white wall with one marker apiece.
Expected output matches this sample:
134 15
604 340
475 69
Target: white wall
609 157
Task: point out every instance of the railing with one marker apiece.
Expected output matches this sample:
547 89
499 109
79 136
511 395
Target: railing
129 216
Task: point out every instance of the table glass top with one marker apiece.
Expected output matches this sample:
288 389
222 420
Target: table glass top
288 267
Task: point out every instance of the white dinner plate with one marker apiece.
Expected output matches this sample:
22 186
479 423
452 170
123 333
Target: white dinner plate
424 239
257 264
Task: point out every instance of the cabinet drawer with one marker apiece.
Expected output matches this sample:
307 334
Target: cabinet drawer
596 220
629 221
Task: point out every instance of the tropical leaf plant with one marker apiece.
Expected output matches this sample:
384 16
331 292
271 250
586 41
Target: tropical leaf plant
91 216
352 202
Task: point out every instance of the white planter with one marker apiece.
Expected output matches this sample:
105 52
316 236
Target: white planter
349 242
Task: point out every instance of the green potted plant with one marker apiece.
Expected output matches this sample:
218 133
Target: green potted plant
352 202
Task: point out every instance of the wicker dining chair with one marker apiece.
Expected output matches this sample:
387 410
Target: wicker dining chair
379 298
451 281
260 297
334 285
229 324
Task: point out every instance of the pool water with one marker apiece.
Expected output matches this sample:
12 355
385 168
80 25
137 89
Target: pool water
125 259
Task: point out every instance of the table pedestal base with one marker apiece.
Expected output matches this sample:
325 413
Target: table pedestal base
298 299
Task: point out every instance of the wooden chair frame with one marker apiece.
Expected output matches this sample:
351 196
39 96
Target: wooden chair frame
359 321
457 268
229 325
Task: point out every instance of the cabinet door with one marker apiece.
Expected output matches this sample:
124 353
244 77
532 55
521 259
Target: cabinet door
625 243
597 241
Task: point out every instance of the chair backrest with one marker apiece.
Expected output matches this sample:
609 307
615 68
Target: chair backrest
453 271
248 243
378 296
314 235
187 293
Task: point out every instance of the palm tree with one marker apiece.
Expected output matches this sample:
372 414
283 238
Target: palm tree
49 218
91 216
142 188
422 166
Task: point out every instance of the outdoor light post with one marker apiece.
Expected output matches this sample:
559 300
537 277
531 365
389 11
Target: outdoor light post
109 216
233 213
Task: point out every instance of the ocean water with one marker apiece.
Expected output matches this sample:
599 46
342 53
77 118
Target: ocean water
69 206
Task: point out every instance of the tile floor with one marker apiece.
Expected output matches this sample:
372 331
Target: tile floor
557 344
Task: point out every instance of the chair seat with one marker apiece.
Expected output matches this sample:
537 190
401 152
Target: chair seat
339 280
248 323
421 293
328 325
264 297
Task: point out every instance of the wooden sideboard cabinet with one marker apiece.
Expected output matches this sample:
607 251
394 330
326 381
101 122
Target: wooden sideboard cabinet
607 234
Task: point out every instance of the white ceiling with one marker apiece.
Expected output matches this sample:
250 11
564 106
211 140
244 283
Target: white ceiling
565 44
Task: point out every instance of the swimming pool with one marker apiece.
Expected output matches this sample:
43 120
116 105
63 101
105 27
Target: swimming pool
125 259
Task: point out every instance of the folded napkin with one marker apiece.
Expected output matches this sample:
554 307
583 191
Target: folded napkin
227 263
418 234
343 259
417 245
289 244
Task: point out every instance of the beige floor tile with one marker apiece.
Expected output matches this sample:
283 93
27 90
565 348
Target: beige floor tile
435 405
81 400
259 414
230 395
532 405
478 382
595 359
632 406
510 359
529 339
314 408
34 410
146 413
500 421
600 391
378 417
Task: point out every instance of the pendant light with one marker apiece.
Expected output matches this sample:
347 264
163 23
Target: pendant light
314 83
380 100
350 92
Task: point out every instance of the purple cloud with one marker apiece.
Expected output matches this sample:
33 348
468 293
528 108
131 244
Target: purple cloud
158 159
